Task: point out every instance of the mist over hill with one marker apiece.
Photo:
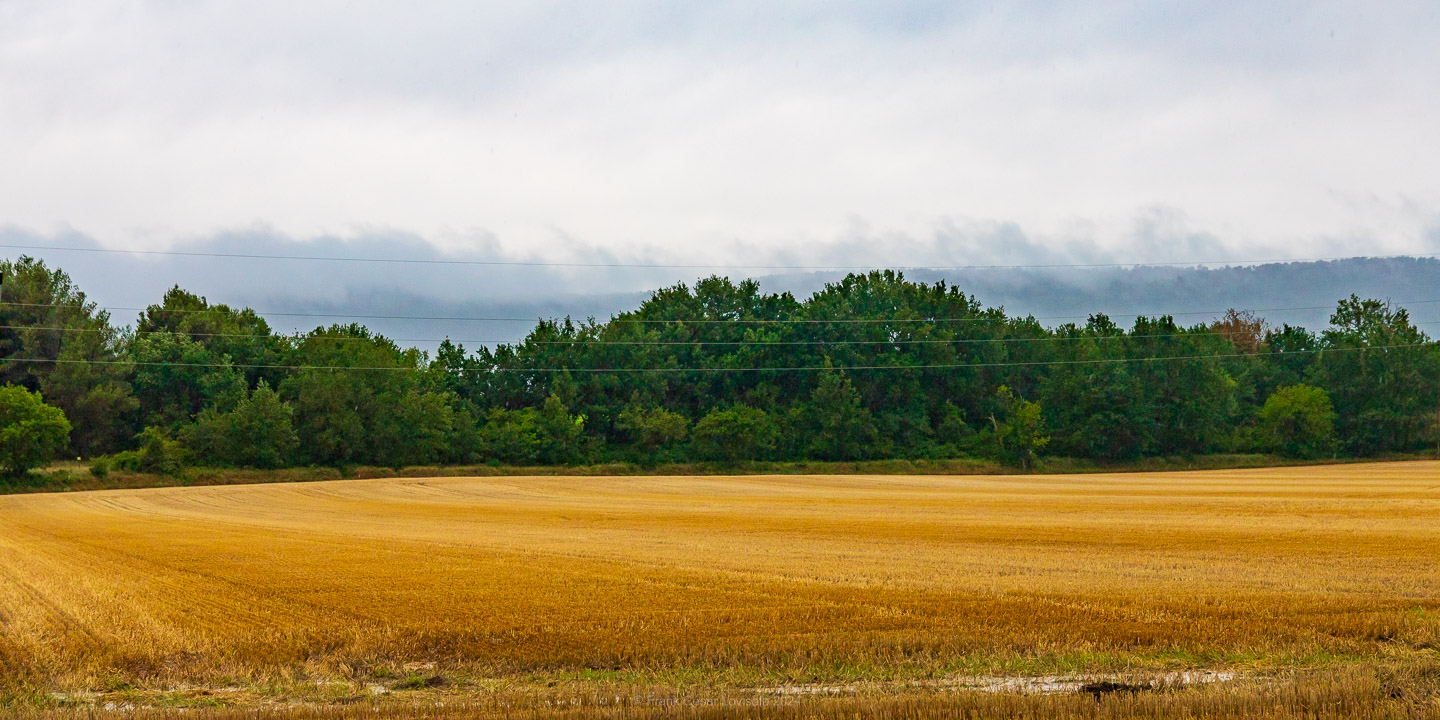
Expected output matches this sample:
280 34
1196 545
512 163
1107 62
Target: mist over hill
1301 294
1191 294
419 294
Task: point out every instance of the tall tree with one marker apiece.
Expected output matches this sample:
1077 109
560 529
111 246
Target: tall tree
358 398
235 333
836 424
56 340
259 432
1382 376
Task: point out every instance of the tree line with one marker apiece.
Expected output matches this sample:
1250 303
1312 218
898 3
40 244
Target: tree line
872 366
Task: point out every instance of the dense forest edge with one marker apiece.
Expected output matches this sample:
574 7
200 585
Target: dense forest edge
872 373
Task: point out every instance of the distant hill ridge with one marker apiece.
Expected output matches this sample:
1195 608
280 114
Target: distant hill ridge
1126 292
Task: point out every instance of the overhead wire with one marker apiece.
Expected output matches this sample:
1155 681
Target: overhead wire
576 341
704 321
940 366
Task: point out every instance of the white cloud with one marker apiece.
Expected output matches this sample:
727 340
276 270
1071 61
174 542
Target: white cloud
740 130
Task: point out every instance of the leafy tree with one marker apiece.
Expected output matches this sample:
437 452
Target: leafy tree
31 432
238 334
1381 375
259 432
1098 407
561 432
55 340
222 381
933 326
1298 421
413 428
462 373
1018 428
510 436
358 398
1101 412
1292 355
99 399
157 453
952 434
840 427
736 433
1192 398
176 377
549 434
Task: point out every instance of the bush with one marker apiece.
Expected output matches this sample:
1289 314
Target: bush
653 428
31 432
100 467
158 454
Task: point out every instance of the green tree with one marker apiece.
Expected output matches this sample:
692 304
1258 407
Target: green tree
414 427
1018 428
561 432
1298 421
840 427
1098 407
953 436
548 435
31 432
736 433
176 377
240 335
99 400
1192 397
259 432
1382 376
55 340
915 330
359 398
510 436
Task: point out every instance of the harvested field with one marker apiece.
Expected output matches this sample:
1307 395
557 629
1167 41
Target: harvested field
915 596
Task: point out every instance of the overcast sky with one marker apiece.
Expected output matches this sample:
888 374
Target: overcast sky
895 133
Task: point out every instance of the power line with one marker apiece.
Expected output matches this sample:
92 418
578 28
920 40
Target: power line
703 321
688 266
578 341
946 366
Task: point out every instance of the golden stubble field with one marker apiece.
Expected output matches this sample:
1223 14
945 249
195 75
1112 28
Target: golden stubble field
666 593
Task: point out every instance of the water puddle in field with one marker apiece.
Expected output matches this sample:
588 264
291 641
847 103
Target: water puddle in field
1095 684
437 690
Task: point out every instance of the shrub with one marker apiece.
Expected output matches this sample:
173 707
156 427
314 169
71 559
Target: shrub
653 428
157 454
